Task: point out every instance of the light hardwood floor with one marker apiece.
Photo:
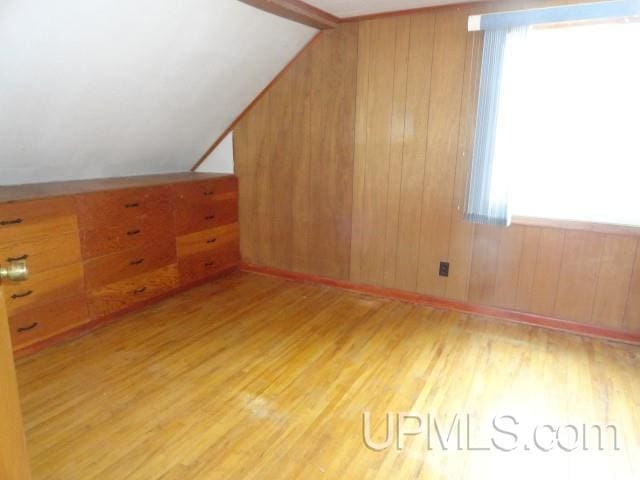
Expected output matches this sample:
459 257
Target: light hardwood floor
253 377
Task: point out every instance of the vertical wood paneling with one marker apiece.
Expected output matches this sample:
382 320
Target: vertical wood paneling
484 264
632 310
359 160
250 140
508 269
300 230
398 116
461 235
527 269
294 158
579 275
377 149
442 147
548 262
354 165
616 268
275 222
415 149
330 184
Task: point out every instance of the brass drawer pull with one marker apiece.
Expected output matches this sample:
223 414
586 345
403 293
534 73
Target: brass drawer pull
140 290
21 295
133 232
210 217
213 240
26 329
136 262
17 259
10 222
132 205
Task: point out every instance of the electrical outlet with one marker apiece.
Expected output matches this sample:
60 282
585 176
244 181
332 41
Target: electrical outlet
444 269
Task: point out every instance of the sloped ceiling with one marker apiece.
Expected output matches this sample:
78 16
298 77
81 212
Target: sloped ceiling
103 88
351 8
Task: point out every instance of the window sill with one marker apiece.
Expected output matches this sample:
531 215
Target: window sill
607 228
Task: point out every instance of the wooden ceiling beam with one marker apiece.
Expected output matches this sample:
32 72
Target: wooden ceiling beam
298 11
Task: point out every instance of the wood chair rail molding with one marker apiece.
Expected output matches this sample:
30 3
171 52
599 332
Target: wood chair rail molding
458 306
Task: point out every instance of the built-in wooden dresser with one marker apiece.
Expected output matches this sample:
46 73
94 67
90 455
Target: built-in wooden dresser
98 248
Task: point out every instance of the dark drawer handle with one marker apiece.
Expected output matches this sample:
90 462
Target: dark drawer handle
213 240
132 205
209 264
209 217
140 290
22 295
136 262
10 222
26 329
207 193
17 259
133 232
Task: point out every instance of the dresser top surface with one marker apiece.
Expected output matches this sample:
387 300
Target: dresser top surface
32 191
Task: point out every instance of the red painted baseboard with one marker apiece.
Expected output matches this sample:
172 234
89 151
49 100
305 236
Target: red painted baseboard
458 306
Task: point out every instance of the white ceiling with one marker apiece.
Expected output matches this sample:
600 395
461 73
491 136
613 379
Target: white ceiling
350 8
118 87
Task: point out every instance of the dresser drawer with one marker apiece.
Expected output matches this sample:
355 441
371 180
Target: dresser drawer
206 213
23 220
44 288
137 233
205 264
118 207
44 252
194 191
42 322
118 266
126 293
207 240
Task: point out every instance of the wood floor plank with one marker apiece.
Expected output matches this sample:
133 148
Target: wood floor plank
252 377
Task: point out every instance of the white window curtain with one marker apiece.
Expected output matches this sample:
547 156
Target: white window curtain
488 200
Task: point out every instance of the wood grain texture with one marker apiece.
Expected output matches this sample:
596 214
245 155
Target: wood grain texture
206 212
32 191
43 322
208 263
117 266
414 149
579 272
118 208
632 311
614 280
43 252
135 233
207 240
267 379
295 173
410 126
25 220
14 461
125 234
129 291
43 288
447 75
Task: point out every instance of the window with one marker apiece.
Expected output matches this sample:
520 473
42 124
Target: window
557 127
568 128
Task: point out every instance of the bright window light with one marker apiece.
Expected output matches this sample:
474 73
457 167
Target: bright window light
569 123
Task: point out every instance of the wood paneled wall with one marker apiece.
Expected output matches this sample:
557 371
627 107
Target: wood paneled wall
294 154
354 166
